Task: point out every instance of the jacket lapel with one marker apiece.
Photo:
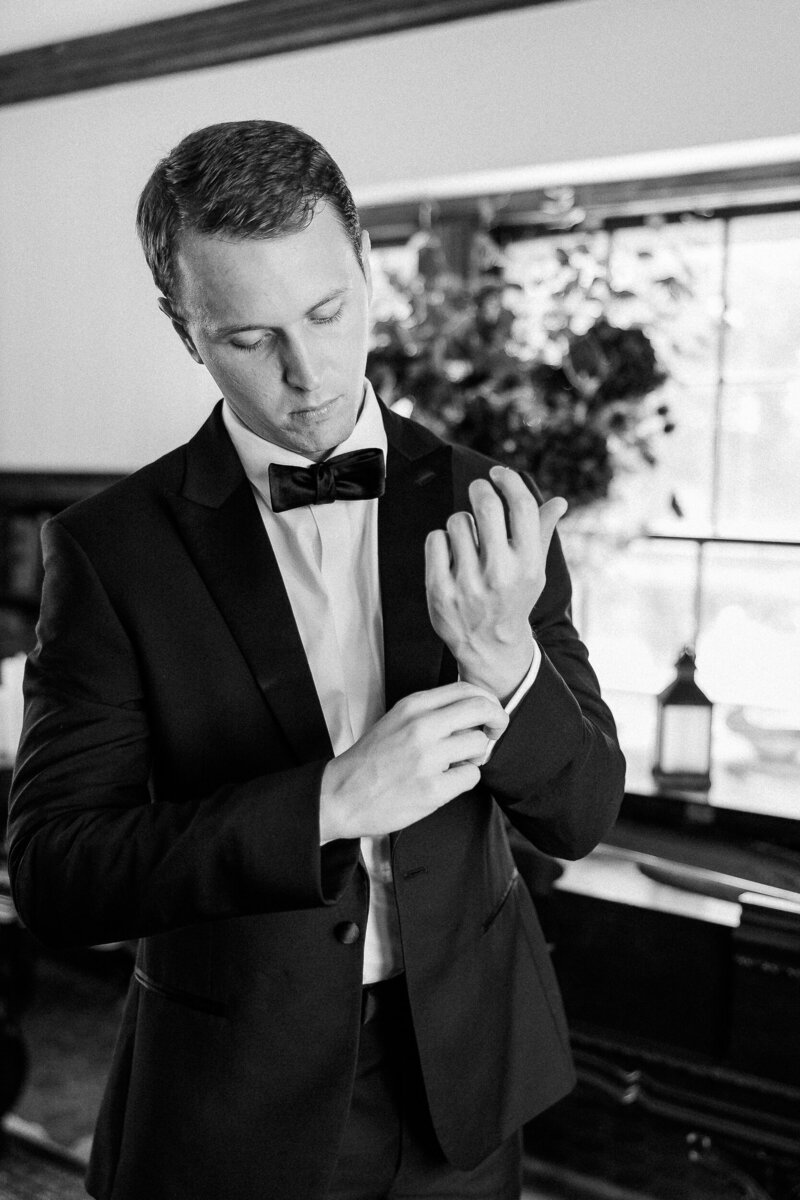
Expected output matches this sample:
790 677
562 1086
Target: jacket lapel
418 499
219 522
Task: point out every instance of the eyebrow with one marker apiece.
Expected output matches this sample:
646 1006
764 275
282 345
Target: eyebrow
226 330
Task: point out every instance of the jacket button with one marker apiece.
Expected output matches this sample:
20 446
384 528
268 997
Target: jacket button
347 932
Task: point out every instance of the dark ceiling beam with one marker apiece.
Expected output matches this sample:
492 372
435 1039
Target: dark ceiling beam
230 33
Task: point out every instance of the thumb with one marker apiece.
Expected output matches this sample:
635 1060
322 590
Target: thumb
549 515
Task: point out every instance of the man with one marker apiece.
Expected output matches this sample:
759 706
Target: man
278 714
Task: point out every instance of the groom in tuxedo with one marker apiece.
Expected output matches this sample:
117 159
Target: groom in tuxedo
292 683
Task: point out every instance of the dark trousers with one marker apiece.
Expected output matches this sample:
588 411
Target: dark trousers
390 1151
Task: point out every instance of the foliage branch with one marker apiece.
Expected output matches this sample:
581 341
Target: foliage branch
557 370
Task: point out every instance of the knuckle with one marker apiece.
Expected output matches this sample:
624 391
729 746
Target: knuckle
537 578
495 576
439 601
472 775
478 742
416 738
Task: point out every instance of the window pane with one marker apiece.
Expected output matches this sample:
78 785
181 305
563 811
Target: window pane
763 296
400 261
634 606
759 484
534 260
684 469
748 660
557 293
749 649
660 262
391 263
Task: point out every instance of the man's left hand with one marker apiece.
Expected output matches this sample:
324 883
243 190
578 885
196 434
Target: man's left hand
482 580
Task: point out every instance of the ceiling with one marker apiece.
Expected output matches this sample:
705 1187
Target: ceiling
25 23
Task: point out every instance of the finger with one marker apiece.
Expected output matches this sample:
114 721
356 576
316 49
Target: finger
448 694
476 712
461 778
490 519
437 560
468 745
463 537
483 714
497 726
549 516
523 511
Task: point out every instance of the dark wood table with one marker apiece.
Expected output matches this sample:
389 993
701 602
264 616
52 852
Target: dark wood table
677 947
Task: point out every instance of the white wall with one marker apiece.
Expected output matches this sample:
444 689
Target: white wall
91 375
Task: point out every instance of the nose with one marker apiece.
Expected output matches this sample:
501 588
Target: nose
299 368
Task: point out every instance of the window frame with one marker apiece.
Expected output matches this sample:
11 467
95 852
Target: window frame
609 206
719 195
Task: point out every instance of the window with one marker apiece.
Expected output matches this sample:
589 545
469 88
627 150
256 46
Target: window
724 575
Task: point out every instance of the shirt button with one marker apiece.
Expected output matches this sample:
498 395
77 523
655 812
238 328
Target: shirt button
347 932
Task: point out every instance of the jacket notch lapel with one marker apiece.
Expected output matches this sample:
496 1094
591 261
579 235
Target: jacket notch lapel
418 499
219 522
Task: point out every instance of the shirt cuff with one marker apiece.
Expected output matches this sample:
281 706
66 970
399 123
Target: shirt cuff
519 695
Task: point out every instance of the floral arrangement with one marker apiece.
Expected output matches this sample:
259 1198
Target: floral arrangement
554 369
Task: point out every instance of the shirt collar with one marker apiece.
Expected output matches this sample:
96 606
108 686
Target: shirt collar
256 453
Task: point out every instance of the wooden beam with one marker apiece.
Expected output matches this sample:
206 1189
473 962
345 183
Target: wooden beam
230 33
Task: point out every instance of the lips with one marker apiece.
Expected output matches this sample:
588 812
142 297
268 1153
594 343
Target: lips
316 408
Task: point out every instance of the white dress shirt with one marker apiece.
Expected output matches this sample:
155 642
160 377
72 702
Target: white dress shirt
328 557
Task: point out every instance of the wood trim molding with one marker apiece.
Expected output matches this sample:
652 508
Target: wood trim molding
230 33
50 491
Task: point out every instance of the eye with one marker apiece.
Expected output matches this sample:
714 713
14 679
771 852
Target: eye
329 318
248 347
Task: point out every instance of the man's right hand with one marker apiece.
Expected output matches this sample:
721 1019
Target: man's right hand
416 758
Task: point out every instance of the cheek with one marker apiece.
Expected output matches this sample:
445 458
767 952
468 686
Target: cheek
357 343
248 386
249 374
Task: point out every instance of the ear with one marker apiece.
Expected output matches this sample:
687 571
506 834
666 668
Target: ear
366 246
179 326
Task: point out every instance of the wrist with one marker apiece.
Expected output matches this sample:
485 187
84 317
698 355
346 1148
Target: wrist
500 671
331 810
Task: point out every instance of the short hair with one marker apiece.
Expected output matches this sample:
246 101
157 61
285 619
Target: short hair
242 179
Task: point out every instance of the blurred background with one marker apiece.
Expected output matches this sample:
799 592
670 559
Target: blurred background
585 218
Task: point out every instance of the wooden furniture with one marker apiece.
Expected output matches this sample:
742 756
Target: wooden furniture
27 500
677 946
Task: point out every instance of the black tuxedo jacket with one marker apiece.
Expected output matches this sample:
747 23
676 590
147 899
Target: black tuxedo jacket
167 789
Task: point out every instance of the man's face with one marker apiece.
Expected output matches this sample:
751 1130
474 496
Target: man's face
282 326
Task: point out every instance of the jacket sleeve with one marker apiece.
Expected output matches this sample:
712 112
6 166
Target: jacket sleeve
558 771
92 857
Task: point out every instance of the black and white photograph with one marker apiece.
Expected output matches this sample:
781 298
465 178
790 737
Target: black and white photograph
400 600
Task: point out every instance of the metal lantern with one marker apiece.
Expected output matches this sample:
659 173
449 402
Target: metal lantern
683 732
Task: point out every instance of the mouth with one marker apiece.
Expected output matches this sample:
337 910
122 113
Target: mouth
318 410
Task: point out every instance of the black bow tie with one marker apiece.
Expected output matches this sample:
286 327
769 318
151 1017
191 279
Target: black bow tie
358 475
